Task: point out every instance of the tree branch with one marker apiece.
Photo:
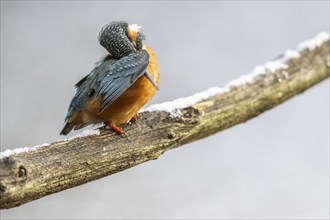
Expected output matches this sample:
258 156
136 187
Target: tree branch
31 173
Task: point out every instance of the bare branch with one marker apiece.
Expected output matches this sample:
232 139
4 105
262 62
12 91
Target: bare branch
31 173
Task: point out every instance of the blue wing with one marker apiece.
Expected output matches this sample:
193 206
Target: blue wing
109 79
120 76
86 86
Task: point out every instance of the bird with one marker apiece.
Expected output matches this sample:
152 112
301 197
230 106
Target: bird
120 84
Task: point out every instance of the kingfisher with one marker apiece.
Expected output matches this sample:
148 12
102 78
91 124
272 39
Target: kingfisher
120 84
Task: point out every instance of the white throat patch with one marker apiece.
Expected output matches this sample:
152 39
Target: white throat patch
134 27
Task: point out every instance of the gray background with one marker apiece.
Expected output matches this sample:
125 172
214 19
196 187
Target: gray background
273 166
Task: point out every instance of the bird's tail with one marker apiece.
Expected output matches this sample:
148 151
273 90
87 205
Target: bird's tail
67 128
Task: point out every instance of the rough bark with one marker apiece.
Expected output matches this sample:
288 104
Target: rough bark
34 174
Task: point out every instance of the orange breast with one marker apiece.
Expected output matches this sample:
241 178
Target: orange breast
129 103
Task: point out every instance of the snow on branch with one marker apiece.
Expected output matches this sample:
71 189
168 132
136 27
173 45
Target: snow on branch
30 173
271 66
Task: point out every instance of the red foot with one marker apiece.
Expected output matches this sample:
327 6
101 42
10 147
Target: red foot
116 129
133 119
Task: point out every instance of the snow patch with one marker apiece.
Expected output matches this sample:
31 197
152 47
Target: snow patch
9 152
84 133
290 54
315 42
173 107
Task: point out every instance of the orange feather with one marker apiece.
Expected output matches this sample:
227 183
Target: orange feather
123 109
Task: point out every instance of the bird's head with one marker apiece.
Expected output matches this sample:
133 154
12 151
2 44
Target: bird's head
121 39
